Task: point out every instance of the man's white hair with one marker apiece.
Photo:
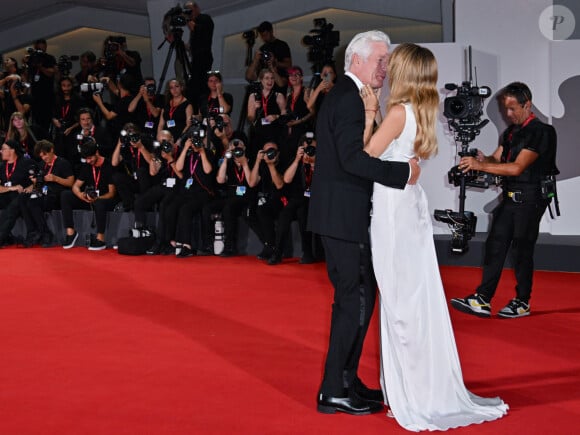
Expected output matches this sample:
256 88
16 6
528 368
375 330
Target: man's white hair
361 45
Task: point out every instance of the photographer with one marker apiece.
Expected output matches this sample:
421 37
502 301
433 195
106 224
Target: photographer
297 178
24 134
64 120
200 39
526 159
197 164
234 195
49 180
92 190
274 55
167 181
264 111
119 62
88 129
148 102
298 115
266 177
216 101
328 79
177 112
131 160
41 70
14 180
14 98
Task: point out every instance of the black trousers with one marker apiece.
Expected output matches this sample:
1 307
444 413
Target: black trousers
69 202
515 225
192 202
128 187
297 208
32 210
146 202
10 206
350 271
263 220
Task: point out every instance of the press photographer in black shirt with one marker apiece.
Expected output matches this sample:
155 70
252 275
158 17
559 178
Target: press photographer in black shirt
50 178
14 180
92 190
131 159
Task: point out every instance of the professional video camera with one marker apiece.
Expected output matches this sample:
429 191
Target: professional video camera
463 112
250 37
112 45
34 57
321 42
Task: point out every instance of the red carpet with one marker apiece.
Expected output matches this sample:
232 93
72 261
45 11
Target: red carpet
99 343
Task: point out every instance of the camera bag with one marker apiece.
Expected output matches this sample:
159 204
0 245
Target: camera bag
135 245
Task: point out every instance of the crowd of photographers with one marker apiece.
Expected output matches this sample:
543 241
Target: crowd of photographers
105 140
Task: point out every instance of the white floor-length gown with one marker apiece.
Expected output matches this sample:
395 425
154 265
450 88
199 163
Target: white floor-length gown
420 370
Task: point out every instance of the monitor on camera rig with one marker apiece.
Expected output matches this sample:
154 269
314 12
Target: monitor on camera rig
463 112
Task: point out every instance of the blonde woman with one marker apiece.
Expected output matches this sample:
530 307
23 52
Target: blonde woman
420 375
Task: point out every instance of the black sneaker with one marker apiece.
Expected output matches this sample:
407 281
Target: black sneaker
472 304
275 259
514 309
155 249
266 253
47 239
32 238
69 241
97 245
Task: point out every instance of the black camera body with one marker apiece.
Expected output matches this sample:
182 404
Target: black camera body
150 90
310 150
64 64
270 153
236 152
321 43
128 137
91 192
250 37
21 86
196 133
113 44
35 57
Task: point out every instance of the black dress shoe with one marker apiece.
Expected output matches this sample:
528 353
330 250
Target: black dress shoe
348 405
365 393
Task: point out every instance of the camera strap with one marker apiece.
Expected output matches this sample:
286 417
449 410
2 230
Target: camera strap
46 165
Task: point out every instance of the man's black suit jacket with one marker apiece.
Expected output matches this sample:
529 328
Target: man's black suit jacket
342 183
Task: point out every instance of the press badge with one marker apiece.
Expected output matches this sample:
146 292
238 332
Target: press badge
45 190
188 183
170 123
265 121
36 77
149 124
170 182
307 193
240 190
8 184
134 175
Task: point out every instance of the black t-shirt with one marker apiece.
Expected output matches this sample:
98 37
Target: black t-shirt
209 105
16 173
236 183
175 118
201 38
61 168
98 177
41 85
194 175
537 137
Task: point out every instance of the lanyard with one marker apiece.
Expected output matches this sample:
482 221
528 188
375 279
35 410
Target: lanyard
138 159
173 108
293 101
308 175
49 168
9 174
240 175
65 109
192 165
265 103
96 177
510 136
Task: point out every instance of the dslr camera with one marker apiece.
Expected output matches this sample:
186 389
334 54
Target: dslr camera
91 192
112 45
196 133
238 151
270 153
309 150
95 88
38 174
128 137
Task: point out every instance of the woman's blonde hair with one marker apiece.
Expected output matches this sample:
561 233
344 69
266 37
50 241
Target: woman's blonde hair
413 79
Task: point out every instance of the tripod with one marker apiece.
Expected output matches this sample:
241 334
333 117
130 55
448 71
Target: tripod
178 46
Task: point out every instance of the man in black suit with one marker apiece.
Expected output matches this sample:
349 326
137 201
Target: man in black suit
340 212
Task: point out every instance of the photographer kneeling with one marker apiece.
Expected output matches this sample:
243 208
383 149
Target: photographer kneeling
93 189
49 180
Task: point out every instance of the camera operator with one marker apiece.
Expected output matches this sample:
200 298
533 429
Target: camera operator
88 73
298 115
49 180
119 62
15 97
93 189
266 176
216 101
197 164
88 129
526 159
131 159
64 121
148 102
297 178
200 39
14 180
233 194
274 55
328 79
41 70
166 184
